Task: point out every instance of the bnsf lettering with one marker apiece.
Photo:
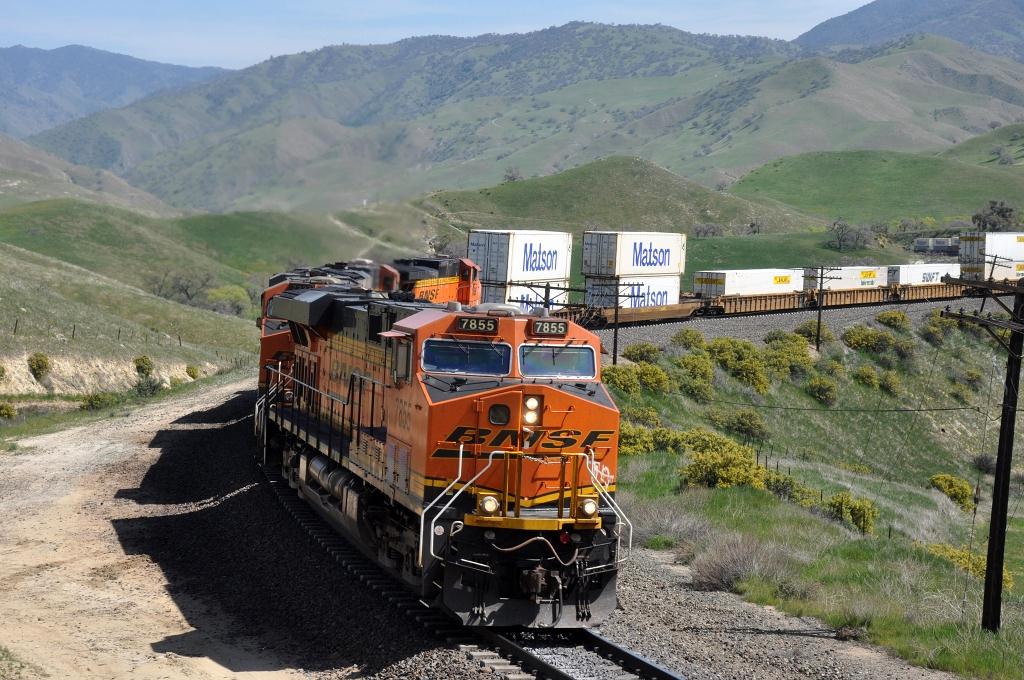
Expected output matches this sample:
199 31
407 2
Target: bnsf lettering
554 440
649 256
536 259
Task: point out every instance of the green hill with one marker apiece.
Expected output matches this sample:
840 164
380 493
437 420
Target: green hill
1002 148
880 185
333 128
612 193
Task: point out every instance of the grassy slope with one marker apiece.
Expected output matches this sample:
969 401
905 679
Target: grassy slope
880 185
897 591
979 150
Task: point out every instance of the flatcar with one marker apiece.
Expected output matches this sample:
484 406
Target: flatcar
469 450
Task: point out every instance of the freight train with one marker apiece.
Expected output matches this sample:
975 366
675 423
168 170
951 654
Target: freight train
468 448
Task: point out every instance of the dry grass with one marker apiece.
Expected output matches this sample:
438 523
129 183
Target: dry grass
736 557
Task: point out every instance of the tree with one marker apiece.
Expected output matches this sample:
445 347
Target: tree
755 227
840 230
186 286
707 230
512 174
997 216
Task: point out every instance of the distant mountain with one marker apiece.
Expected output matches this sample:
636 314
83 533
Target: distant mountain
993 26
40 89
29 174
342 125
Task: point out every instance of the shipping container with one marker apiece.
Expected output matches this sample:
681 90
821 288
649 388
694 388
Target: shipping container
709 284
633 253
846 278
992 255
915 274
527 297
520 255
634 291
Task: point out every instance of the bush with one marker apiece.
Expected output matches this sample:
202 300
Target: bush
622 378
7 411
147 386
956 489
689 338
973 379
984 462
39 366
666 439
100 400
823 389
894 319
742 360
635 441
832 368
868 339
937 328
143 366
809 329
642 352
964 559
735 558
719 462
176 381
192 372
859 513
891 383
866 375
3 374
961 393
903 348
642 415
787 354
697 374
788 488
653 377
747 423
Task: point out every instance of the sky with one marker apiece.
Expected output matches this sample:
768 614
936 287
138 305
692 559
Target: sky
238 33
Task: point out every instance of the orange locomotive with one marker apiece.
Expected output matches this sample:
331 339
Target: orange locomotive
469 450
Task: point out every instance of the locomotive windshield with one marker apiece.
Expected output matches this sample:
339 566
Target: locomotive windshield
467 356
557 361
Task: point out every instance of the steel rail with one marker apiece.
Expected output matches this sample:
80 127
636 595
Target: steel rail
622 657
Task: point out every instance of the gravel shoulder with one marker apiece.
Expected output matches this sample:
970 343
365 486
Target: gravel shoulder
144 547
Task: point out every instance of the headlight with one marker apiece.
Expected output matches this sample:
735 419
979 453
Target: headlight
488 505
531 410
531 403
530 417
587 507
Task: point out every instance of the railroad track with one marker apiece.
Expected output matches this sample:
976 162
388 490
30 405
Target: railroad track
512 655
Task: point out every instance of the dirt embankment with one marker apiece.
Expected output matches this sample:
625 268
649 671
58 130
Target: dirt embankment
80 375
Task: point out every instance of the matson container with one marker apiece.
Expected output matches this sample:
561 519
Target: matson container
526 297
985 255
520 255
710 284
845 278
920 274
633 253
634 291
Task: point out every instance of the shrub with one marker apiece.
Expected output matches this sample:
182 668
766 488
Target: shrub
697 374
143 366
635 441
903 348
788 488
642 415
7 411
787 354
832 368
622 378
809 329
689 338
937 328
653 377
742 360
972 378
961 393
984 462
894 319
147 386
192 372
823 389
100 400
642 352
666 439
735 558
859 513
39 366
719 462
659 542
176 381
3 373
956 489
964 559
747 423
866 375
891 383
869 339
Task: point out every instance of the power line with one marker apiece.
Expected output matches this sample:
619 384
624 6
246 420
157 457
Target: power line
844 410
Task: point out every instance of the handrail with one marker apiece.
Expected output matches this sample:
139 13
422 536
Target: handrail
619 514
423 515
471 482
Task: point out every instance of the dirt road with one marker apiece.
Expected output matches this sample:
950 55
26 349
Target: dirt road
143 547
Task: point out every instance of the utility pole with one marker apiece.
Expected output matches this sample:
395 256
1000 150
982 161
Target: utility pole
821 304
993 594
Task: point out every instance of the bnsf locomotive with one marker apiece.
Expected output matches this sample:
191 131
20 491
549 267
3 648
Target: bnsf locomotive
470 449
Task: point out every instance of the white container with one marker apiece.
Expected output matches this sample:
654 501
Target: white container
985 255
920 274
634 291
520 255
526 297
845 278
633 253
710 284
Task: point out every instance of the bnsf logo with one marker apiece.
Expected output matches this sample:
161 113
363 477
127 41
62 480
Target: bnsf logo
649 256
536 259
556 439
